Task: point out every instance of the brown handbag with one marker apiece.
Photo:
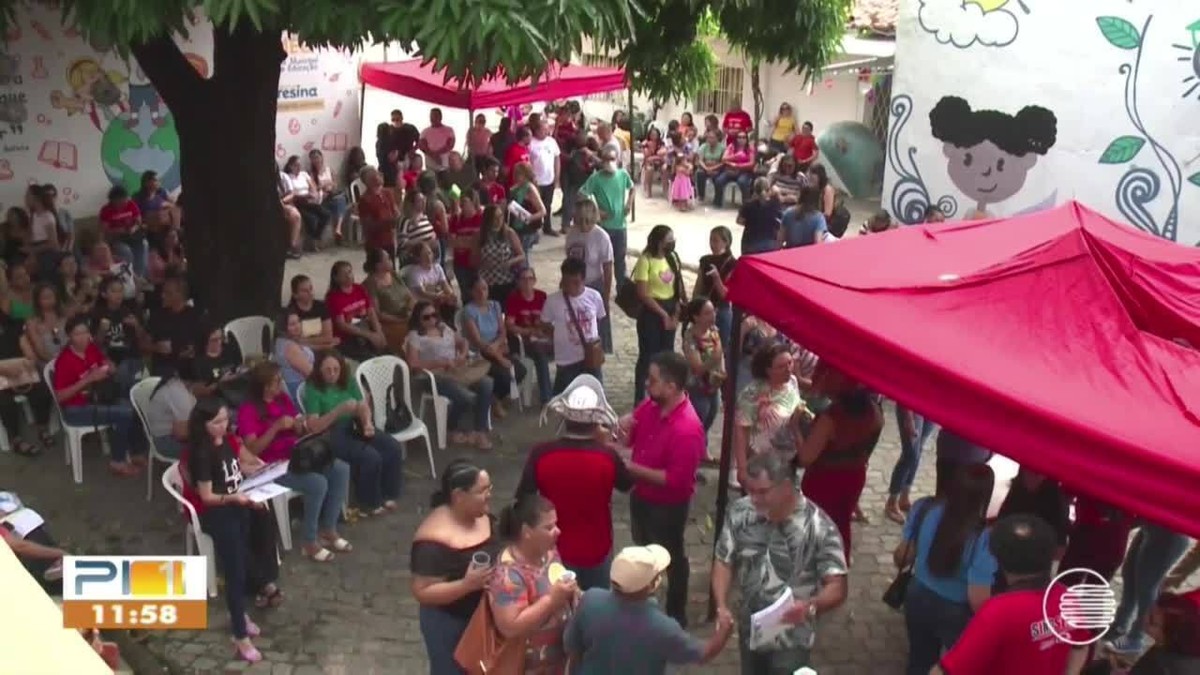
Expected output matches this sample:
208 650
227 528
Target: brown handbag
483 651
593 351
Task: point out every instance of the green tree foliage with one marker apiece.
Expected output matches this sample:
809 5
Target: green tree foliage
804 35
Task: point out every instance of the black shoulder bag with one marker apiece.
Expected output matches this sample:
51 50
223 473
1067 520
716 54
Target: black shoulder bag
311 454
399 417
896 591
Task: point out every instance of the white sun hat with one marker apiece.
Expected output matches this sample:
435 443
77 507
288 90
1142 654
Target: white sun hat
583 402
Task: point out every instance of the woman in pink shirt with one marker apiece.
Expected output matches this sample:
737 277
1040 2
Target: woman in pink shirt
739 168
271 427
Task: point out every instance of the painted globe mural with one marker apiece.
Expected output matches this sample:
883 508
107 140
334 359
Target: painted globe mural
850 150
128 152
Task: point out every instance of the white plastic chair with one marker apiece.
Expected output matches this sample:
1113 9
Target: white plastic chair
375 376
139 396
300 399
193 536
354 233
527 388
249 333
73 435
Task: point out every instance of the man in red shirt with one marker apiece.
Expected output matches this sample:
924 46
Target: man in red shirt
736 120
578 474
1021 630
378 212
490 190
804 147
668 444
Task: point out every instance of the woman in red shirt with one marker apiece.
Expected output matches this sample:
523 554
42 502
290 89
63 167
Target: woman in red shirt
490 190
212 467
464 238
378 212
836 450
355 321
523 318
122 222
517 153
88 396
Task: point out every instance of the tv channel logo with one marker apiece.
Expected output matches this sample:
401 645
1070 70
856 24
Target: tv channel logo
135 578
1088 605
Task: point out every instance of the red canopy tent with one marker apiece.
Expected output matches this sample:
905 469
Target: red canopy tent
1051 338
412 79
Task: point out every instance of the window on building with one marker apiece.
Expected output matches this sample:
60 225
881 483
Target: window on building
618 97
726 93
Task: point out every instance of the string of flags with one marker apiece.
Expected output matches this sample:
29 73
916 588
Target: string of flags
869 77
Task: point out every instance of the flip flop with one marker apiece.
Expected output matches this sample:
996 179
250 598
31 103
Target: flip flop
321 555
340 545
25 449
46 438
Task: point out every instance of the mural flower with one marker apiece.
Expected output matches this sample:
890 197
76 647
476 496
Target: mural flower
963 23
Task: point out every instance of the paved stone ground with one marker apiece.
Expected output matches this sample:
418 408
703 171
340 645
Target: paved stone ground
357 616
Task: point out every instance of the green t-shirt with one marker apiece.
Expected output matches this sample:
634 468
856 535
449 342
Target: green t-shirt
711 155
610 192
321 401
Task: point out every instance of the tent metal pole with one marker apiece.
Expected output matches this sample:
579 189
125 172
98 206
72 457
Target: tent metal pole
362 109
632 159
729 399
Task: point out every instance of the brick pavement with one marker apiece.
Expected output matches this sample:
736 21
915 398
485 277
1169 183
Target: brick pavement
356 615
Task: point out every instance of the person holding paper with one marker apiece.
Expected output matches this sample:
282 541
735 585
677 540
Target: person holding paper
774 543
242 530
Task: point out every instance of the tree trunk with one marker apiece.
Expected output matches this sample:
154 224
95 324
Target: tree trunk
234 231
756 89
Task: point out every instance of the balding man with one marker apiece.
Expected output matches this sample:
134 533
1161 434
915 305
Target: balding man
612 189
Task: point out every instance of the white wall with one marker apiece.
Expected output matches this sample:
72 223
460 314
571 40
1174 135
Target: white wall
1135 161
66 138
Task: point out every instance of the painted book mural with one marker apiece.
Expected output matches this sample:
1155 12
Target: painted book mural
80 117
1002 107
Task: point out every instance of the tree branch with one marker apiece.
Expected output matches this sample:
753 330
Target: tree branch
176 81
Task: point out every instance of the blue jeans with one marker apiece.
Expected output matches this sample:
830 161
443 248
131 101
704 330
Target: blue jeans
933 623
725 325
564 375
168 446
570 194
744 180
528 239
541 366
592 577
134 255
905 471
324 496
652 339
701 179
764 246
338 206
620 244
441 632
375 463
605 325
461 398
127 372
127 433
1153 553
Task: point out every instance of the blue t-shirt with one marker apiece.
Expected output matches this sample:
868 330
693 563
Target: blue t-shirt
487 321
619 636
803 230
153 202
978 565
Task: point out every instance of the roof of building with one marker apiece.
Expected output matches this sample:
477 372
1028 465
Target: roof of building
875 16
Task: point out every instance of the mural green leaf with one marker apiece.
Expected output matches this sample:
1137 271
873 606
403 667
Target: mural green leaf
1194 179
1122 149
1119 32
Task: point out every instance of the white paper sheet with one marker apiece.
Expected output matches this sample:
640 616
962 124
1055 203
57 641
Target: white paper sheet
266 492
23 521
269 474
767 624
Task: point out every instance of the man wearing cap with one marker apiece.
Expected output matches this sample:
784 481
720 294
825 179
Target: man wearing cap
772 540
668 444
578 474
623 630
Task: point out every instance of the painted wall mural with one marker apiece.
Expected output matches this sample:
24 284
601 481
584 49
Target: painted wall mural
1003 107
79 116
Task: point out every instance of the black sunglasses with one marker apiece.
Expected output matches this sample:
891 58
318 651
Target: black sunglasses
428 316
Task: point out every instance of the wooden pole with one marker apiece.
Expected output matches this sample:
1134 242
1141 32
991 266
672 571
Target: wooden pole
729 400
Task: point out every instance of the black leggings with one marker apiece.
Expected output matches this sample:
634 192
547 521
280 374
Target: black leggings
10 410
244 540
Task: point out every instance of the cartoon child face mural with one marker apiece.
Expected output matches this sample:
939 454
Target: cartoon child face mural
990 153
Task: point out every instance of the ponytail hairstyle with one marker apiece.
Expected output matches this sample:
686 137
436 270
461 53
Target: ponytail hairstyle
461 474
526 511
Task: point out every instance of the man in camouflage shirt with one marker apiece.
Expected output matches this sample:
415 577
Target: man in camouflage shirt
774 538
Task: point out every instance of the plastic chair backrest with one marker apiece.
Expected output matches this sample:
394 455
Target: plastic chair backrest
374 376
300 398
48 377
253 335
139 396
357 188
172 482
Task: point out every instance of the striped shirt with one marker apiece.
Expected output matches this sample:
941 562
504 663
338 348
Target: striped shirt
415 231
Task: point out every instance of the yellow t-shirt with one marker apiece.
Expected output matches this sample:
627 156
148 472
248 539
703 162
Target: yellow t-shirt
784 127
658 275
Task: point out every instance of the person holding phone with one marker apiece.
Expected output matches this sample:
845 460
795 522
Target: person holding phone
242 530
716 269
80 371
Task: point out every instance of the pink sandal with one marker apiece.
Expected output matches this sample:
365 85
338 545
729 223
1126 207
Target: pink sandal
252 629
246 651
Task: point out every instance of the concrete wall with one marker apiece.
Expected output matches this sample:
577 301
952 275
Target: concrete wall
1096 102
84 120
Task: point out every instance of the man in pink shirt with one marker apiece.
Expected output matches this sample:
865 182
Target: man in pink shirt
667 438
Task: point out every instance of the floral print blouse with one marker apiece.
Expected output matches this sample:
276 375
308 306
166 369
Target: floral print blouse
518 584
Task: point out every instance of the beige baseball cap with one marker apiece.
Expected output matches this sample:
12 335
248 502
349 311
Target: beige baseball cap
636 567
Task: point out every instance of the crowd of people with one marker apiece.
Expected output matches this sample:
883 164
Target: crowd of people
447 286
